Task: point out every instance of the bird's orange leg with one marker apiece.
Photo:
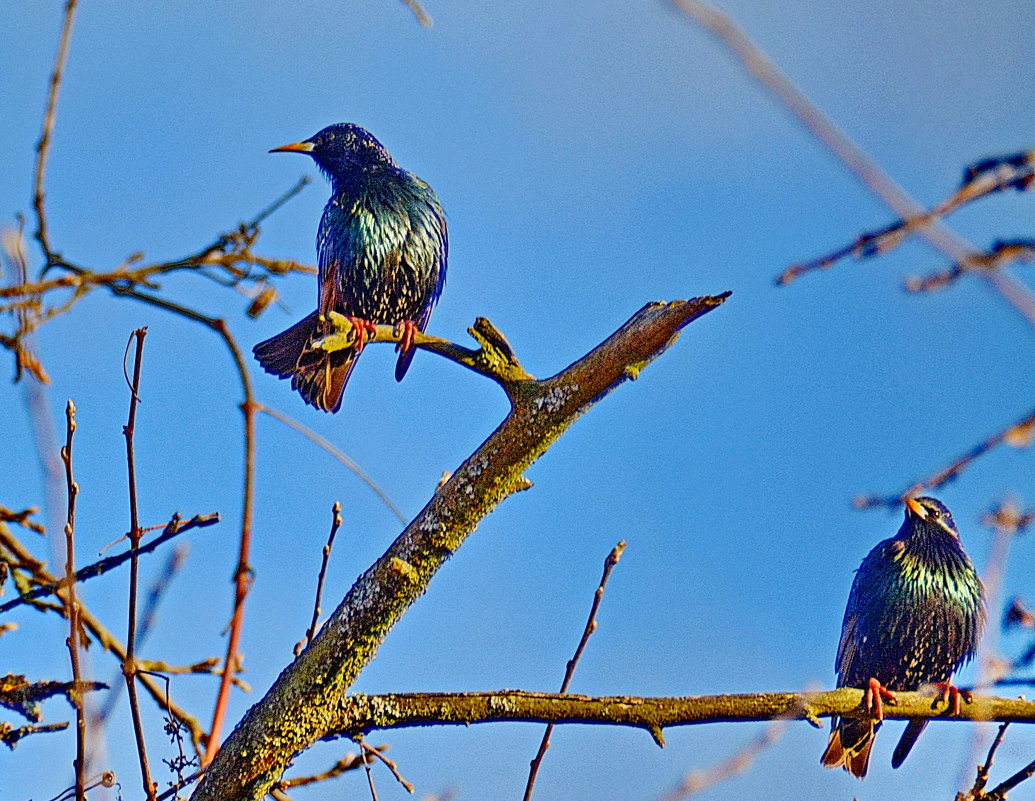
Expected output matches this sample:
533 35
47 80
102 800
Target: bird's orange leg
409 332
361 328
876 693
951 694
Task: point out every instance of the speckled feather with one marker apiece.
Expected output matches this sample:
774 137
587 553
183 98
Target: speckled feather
914 616
382 248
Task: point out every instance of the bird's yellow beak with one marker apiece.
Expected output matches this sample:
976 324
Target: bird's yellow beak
916 508
295 147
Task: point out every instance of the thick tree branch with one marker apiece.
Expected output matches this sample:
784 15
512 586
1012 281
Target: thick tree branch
358 714
305 699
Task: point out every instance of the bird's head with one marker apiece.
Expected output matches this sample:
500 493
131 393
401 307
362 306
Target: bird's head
928 512
342 150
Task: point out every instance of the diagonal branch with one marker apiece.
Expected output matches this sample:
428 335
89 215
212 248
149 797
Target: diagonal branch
174 528
302 704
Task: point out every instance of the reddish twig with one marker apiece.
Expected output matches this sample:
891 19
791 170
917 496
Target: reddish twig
335 525
591 626
72 609
129 667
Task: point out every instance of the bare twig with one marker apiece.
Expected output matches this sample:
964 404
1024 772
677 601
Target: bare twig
365 759
1019 435
591 626
865 169
328 446
105 779
10 736
21 518
1000 791
172 529
981 780
129 667
700 780
72 608
180 784
347 763
376 752
103 636
43 145
419 12
335 525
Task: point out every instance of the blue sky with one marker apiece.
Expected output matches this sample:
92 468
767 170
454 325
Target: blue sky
590 159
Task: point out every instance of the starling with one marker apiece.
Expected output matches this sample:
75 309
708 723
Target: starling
914 617
382 248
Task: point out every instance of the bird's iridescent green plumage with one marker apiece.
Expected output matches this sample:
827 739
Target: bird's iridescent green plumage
382 248
914 617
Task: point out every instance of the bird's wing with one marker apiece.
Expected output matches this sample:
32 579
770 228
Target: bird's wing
848 647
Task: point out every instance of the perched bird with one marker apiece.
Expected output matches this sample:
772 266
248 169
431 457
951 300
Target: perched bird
914 617
382 249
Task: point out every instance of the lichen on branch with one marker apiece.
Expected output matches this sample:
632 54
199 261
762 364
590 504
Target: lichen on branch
305 701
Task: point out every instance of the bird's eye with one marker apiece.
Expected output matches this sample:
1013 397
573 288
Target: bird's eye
933 513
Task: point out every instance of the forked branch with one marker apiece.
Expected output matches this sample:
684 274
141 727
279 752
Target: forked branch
306 699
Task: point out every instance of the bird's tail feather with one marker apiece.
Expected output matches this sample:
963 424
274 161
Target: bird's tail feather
905 744
318 375
403 364
849 745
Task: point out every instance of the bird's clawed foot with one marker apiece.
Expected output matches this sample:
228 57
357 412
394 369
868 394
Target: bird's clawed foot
874 697
949 693
362 328
408 331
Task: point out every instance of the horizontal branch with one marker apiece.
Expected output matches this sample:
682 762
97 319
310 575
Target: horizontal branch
359 714
298 709
494 358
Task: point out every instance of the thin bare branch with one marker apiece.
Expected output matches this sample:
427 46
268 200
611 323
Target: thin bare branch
591 626
1018 435
740 761
347 763
43 145
129 667
419 12
981 780
494 358
376 752
173 528
337 453
335 525
72 609
358 714
865 169
104 637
